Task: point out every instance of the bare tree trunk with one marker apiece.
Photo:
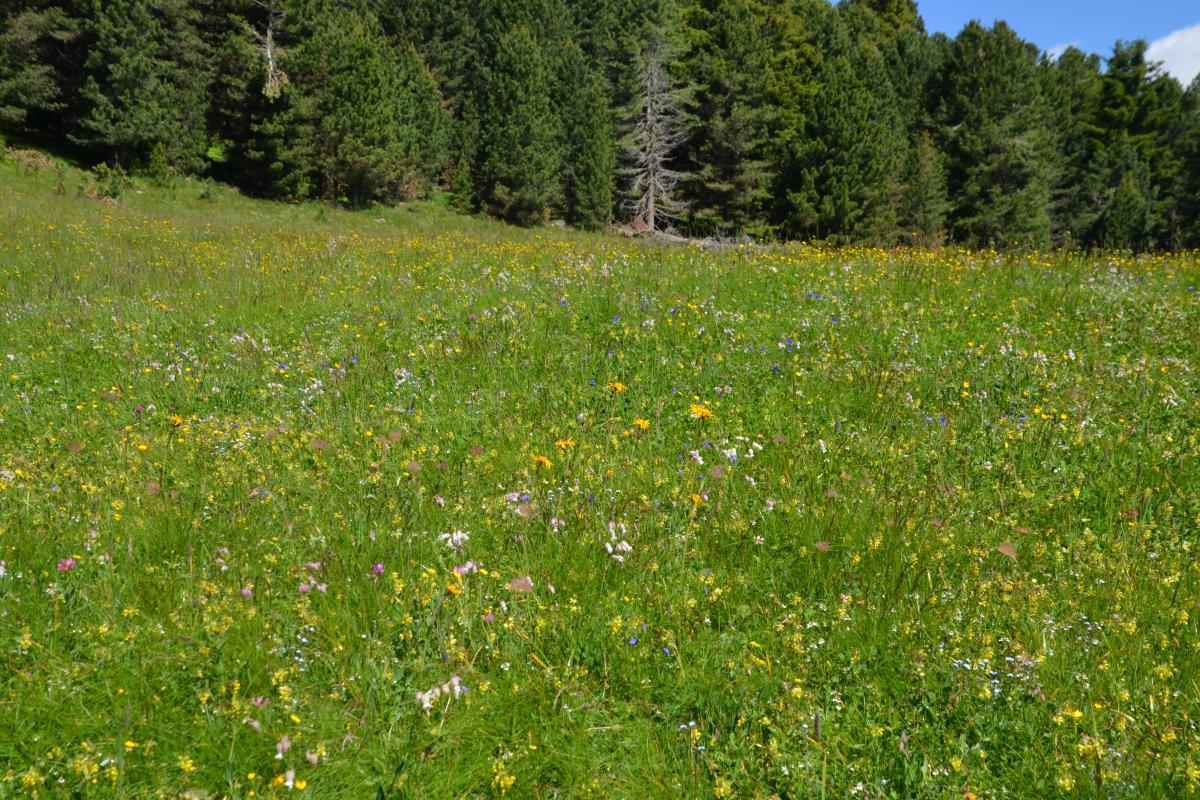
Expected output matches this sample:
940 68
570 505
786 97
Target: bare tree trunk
659 132
650 212
275 78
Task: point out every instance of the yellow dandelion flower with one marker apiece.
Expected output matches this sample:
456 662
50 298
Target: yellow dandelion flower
644 424
543 461
702 413
617 387
563 444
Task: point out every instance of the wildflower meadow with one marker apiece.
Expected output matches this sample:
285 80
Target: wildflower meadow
298 502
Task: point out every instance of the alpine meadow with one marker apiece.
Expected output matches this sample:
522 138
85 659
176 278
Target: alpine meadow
348 450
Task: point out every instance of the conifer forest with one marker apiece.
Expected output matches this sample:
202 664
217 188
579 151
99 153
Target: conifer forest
776 120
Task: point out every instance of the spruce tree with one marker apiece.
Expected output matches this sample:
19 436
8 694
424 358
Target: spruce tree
235 91
1071 84
346 81
423 124
1140 107
1126 222
1189 179
849 159
652 147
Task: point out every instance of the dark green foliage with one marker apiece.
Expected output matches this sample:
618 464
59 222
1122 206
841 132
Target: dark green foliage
1071 85
28 80
520 135
846 166
1126 221
1139 124
800 118
373 113
728 160
899 17
145 82
1189 180
925 201
997 137
237 150
589 158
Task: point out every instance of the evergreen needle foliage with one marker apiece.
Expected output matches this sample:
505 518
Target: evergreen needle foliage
806 119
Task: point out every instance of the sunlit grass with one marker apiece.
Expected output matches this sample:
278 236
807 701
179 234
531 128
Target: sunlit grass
391 504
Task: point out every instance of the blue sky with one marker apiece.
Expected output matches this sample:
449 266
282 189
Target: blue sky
1090 25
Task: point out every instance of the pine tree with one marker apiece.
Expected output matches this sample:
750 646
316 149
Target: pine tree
1126 222
345 78
925 200
1140 107
372 111
589 157
730 117
234 34
898 17
1071 84
848 161
520 134
424 126
997 138
28 79
146 83
1189 179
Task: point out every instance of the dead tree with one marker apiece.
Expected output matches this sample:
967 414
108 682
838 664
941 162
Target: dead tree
658 131
275 78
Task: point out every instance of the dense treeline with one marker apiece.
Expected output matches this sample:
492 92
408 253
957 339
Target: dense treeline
773 118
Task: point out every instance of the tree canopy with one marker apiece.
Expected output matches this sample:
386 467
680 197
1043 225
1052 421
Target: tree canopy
787 118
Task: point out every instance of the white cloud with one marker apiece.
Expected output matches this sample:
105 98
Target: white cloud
1058 49
1179 52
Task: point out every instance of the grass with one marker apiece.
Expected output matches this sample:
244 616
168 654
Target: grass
663 523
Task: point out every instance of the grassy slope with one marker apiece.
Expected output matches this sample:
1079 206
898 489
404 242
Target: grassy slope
942 542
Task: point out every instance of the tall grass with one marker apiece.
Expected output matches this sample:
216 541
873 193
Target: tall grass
653 522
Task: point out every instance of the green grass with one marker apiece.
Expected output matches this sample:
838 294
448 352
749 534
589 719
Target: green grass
942 542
